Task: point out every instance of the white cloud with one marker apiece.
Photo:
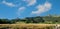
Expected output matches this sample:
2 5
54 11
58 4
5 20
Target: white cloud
42 8
30 2
9 4
20 10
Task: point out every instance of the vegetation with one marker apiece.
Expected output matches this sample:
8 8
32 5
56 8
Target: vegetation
38 19
38 22
27 26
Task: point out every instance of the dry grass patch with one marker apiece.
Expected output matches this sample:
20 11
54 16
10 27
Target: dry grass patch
26 26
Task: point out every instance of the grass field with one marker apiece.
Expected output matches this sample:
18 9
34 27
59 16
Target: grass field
27 26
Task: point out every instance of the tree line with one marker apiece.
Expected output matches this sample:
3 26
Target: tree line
37 19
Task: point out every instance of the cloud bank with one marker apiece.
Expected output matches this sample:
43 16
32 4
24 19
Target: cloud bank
42 8
8 4
30 2
20 10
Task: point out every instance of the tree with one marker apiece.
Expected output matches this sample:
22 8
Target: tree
4 21
38 19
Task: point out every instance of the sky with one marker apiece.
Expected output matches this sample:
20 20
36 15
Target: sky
28 8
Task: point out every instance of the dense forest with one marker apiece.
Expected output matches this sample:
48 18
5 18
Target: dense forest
38 19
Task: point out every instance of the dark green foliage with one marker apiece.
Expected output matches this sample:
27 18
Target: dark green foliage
4 21
38 19
47 19
34 19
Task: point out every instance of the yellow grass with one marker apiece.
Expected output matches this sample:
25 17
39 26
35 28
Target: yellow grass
26 26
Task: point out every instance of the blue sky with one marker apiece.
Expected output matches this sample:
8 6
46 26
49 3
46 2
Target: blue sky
28 8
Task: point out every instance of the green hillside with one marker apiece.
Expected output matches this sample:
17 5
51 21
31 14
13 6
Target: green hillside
38 19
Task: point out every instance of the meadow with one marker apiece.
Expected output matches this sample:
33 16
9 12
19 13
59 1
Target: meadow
47 22
27 26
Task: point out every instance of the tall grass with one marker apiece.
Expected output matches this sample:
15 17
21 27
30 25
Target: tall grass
26 26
